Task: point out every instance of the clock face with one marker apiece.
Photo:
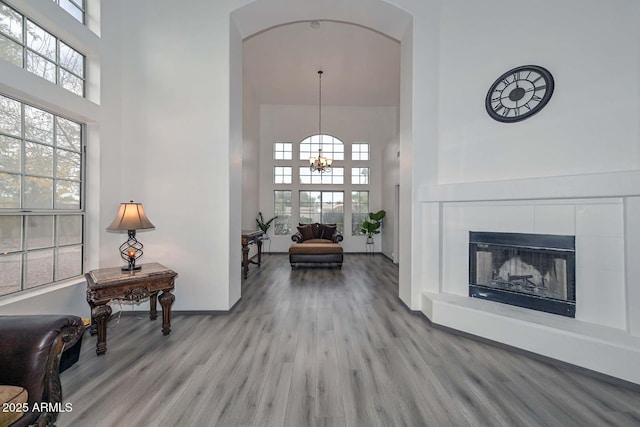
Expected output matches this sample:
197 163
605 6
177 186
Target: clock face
519 93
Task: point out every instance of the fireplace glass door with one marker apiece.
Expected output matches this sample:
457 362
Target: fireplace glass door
528 270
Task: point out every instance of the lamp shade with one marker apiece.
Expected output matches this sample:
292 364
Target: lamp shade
131 216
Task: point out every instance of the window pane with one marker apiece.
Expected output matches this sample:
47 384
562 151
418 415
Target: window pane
38 125
41 67
39 232
68 165
9 190
39 268
359 210
333 208
282 175
71 59
309 207
68 134
360 151
10 22
71 83
69 262
283 151
359 175
72 10
10 154
10 117
10 51
41 41
38 159
67 195
282 208
69 229
10 233
10 273
38 193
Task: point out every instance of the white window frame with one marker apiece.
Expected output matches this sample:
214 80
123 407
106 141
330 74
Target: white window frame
28 52
24 252
360 151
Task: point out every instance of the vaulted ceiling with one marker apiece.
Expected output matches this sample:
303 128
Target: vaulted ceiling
361 67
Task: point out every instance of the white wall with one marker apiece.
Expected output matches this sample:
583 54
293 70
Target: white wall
178 149
390 169
293 123
591 123
250 160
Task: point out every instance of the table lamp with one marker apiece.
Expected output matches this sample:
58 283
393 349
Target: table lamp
131 217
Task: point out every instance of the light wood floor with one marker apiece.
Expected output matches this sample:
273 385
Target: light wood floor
324 347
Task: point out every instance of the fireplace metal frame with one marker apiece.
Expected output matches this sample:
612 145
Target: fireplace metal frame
535 242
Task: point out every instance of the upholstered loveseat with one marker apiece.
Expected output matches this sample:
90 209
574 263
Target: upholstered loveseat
316 243
317 233
30 350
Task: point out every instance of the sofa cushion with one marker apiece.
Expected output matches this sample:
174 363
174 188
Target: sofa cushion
325 241
12 398
316 248
328 231
306 231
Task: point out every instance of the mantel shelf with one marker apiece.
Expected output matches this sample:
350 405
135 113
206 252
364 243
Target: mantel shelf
600 185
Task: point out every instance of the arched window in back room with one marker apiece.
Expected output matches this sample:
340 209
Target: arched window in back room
331 146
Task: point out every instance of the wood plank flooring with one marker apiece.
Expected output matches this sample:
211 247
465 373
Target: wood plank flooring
324 347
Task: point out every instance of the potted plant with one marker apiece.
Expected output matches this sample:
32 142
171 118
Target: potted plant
371 226
262 225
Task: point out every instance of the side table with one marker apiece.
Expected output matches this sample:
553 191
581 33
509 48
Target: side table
106 284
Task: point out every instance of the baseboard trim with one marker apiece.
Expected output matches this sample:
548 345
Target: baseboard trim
618 382
181 312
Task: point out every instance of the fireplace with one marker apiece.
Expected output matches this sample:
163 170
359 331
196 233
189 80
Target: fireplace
535 271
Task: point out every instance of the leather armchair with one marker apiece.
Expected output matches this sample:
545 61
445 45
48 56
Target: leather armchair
30 350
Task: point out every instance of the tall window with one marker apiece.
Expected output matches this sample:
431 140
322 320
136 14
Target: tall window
27 45
359 210
325 207
282 209
41 212
75 8
331 146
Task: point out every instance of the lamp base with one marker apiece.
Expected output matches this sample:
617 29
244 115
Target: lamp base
127 268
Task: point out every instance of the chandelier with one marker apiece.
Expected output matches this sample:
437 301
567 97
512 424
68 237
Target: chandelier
320 163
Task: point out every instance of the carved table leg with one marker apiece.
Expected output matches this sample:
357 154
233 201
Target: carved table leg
245 257
101 314
166 300
153 313
259 243
93 327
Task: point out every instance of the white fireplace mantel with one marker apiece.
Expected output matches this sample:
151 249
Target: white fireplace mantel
601 209
599 185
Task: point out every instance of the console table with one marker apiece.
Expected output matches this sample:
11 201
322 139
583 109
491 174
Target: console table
106 284
250 237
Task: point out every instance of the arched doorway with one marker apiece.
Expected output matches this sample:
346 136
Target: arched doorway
381 17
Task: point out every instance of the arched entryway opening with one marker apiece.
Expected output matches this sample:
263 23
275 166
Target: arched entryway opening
375 15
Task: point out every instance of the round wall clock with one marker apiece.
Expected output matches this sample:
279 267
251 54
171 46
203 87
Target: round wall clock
519 93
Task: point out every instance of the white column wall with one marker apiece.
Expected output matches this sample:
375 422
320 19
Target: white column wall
179 149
